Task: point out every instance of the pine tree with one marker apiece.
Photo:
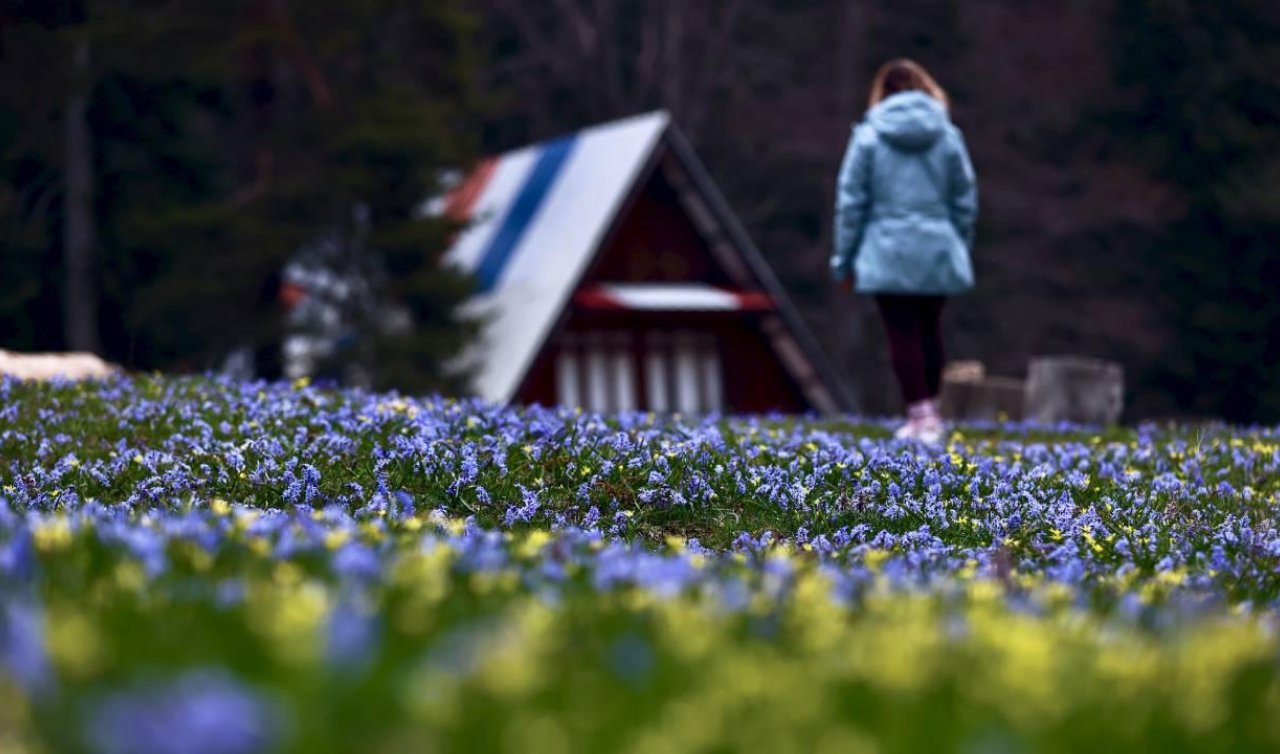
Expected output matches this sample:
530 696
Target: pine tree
34 82
348 112
228 137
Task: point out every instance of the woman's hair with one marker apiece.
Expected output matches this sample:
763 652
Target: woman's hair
903 75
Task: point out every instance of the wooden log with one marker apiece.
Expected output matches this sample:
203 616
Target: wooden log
47 366
1073 389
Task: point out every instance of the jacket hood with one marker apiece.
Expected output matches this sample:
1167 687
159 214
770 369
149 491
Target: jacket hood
909 121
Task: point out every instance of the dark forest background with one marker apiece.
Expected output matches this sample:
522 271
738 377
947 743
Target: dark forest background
160 159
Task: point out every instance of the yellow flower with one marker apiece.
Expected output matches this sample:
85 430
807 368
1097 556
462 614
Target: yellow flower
52 535
876 558
504 581
287 574
290 616
533 544
200 560
129 576
74 643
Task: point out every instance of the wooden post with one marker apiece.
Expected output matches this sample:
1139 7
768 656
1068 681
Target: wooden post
1077 390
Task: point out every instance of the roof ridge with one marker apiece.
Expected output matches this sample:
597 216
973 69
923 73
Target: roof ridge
658 115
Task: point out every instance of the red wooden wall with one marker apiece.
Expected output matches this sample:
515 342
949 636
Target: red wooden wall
656 242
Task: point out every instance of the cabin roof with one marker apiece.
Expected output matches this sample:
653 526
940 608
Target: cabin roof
538 216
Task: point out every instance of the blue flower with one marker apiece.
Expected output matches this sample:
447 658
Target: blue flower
17 558
632 659
22 651
203 712
357 561
352 636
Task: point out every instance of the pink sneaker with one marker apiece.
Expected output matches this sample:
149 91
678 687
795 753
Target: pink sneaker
931 431
924 423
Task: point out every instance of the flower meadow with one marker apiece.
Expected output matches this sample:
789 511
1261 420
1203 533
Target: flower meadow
204 567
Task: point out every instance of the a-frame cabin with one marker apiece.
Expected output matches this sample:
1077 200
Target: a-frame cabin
613 276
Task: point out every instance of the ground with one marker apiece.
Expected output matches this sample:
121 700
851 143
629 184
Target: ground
201 566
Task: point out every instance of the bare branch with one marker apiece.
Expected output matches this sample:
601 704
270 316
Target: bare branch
716 66
577 20
611 61
673 58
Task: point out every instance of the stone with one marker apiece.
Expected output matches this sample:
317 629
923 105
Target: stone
1076 390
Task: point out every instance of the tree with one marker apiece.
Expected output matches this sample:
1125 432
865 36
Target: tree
347 113
1205 103
34 75
227 137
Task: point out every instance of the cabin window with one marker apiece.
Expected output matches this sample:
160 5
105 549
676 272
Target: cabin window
663 372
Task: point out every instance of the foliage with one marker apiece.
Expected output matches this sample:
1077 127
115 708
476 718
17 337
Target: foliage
227 137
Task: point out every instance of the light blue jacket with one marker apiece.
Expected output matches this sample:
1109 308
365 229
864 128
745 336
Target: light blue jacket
906 202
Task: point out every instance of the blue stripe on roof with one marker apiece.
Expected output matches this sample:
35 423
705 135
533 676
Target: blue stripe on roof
550 163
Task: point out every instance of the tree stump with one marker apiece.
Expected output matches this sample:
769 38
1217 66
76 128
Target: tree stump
982 399
964 371
1076 390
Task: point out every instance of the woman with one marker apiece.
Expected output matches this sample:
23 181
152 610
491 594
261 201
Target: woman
905 210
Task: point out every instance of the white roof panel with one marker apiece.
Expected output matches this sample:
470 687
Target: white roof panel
509 173
536 226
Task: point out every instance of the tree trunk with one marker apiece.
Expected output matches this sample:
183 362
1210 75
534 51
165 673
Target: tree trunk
80 302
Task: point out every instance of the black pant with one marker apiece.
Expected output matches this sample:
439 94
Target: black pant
914 327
